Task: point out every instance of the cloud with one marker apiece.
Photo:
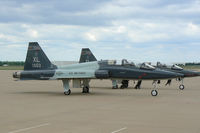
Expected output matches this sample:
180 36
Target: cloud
91 37
192 29
133 29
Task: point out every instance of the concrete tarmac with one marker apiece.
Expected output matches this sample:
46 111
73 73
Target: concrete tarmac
41 107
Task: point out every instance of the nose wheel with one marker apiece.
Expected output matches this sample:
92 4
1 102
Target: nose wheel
181 87
154 92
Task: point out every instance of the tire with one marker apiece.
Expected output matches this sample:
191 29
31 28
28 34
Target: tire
181 87
115 87
122 87
126 86
67 92
86 89
154 92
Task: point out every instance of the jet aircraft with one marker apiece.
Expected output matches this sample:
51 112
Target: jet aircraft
38 67
177 69
171 68
87 56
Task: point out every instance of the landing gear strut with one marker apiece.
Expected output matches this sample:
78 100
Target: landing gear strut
168 82
154 92
67 91
138 84
114 84
181 87
86 88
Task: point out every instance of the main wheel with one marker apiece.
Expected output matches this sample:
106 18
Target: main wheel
181 87
67 92
115 87
122 87
126 85
86 89
154 92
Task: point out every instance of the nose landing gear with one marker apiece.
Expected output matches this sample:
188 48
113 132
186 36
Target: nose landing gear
154 92
181 86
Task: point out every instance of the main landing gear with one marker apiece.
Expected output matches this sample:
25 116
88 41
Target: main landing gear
114 84
86 88
137 86
124 84
67 91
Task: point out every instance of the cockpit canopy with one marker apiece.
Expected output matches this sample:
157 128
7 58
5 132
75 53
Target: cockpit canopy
124 62
147 66
173 66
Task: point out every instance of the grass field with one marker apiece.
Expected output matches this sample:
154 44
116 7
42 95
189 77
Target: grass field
191 67
11 67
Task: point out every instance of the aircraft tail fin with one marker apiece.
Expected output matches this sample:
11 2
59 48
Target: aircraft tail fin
86 56
36 59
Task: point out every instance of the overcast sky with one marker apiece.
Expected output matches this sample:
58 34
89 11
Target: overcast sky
141 30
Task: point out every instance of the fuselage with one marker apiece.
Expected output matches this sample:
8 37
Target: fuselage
95 70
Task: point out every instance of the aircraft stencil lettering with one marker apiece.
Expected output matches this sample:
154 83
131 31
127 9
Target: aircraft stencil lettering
35 59
36 63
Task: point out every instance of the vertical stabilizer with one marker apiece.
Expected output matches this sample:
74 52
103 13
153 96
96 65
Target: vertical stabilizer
86 56
36 59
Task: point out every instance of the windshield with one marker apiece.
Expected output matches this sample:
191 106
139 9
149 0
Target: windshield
125 62
171 66
147 66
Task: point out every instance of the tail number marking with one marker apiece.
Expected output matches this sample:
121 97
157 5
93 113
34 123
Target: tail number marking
36 65
35 59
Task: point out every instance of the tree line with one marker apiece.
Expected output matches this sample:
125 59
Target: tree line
12 63
192 64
